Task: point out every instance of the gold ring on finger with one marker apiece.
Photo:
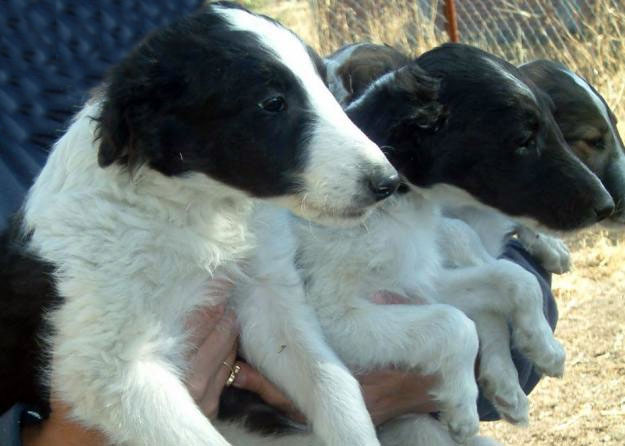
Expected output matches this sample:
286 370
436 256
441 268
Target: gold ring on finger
233 374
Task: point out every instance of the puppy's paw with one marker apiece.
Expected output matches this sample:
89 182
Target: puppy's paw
543 350
552 363
552 253
507 397
462 421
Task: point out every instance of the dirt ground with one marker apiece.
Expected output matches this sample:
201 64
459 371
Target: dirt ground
587 406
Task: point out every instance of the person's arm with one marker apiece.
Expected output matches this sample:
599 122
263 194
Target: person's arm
388 393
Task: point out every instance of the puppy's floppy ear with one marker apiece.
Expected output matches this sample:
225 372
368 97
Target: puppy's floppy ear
137 97
113 134
320 66
421 89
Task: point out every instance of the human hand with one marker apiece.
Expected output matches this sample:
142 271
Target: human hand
214 332
390 393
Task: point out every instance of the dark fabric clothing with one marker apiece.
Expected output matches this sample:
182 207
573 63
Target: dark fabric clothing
528 376
12 421
52 52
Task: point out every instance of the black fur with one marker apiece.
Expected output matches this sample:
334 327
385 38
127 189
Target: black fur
181 97
26 294
500 145
256 415
406 109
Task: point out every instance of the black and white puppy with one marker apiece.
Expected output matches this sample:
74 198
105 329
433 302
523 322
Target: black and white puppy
480 144
498 153
588 124
394 252
150 196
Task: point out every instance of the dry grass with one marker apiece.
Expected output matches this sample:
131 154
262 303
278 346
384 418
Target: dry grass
596 51
587 407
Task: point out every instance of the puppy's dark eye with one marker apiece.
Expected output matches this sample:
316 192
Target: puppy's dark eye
275 104
596 143
528 147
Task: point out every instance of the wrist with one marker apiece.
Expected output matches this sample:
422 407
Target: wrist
30 435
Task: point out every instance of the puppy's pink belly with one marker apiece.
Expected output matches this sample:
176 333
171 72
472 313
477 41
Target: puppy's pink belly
385 297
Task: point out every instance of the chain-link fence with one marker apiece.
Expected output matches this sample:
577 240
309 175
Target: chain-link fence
586 35
579 32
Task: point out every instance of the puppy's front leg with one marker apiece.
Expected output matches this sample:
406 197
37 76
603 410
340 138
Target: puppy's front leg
497 375
506 289
281 336
552 252
432 339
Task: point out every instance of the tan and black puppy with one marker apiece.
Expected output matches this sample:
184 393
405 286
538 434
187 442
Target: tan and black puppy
587 123
351 69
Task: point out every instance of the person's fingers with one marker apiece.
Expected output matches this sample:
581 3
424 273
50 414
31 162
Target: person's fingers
209 402
216 346
208 360
390 393
249 379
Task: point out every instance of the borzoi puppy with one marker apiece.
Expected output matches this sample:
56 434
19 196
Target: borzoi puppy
150 195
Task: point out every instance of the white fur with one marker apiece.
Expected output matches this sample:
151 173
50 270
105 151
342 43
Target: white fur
397 250
343 269
135 255
465 242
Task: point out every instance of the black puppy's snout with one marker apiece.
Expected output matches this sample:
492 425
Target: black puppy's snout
605 208
382 185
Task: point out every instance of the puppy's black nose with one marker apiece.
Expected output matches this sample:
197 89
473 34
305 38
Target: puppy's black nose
383 185
604 210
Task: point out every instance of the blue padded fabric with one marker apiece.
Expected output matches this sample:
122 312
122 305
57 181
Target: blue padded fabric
52 52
